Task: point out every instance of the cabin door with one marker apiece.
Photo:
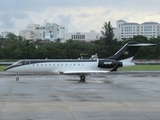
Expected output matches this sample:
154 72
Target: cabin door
27 66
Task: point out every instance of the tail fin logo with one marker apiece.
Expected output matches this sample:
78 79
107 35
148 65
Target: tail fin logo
126 52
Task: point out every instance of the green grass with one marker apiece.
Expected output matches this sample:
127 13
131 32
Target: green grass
132 68
141 68
2 68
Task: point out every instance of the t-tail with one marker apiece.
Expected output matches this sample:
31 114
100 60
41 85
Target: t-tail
127 52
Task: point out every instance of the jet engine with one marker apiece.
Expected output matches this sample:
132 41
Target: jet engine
107 63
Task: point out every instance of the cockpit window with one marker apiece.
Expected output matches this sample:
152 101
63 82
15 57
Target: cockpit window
17 63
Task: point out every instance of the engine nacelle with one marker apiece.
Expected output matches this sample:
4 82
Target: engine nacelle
107 63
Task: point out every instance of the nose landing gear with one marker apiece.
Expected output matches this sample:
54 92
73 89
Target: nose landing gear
17 78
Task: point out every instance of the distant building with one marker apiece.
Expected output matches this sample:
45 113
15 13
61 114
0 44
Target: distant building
128 30
50 31
86 36
53 31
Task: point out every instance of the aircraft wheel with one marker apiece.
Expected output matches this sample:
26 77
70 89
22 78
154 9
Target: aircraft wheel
82 77
17 78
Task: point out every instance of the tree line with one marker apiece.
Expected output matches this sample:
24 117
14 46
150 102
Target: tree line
15 47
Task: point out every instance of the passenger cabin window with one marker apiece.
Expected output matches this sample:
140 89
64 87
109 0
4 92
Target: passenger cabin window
27 62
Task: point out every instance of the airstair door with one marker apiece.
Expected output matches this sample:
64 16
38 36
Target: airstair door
27 66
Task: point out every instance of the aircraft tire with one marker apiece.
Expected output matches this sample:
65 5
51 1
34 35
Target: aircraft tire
17 78
82 77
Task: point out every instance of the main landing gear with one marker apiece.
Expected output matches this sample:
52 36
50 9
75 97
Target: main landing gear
82 79
17 78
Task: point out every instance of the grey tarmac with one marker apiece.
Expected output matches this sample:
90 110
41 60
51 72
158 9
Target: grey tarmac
113 96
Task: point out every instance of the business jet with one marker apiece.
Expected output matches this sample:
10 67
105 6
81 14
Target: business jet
80 67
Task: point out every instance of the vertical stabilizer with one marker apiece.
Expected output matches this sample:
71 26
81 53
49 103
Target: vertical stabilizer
128 51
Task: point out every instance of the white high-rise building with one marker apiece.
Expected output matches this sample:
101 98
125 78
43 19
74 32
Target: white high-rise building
129 29
50 31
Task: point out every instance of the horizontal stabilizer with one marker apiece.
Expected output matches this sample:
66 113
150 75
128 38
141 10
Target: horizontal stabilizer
141 44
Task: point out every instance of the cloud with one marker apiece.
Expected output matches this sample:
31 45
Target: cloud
40 5
8 19
65 19
76 15
29 5
19 15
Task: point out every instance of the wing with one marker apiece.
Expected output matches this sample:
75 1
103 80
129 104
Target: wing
81 72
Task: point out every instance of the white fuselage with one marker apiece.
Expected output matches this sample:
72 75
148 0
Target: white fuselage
55 67
62 66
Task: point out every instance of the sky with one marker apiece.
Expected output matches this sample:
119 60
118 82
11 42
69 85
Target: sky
75 15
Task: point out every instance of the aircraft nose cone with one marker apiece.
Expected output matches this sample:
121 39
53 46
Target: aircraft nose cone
5 69
8 68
